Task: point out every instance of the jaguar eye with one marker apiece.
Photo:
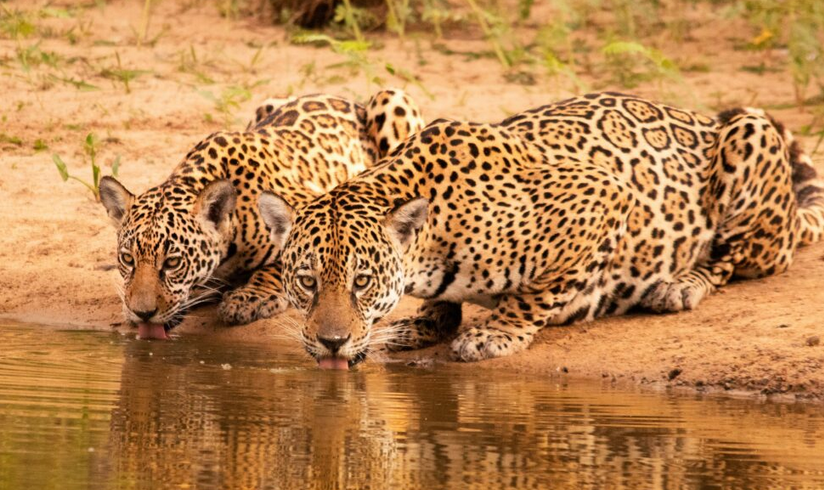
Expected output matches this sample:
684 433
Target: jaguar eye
362 282
171 263
127 259
307 282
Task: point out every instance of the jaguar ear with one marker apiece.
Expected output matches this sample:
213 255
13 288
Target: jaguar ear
116 199
406 219
215 204
278 216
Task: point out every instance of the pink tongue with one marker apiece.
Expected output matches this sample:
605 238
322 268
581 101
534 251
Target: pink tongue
334 363
151 331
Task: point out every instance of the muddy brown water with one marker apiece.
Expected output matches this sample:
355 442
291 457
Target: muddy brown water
84 409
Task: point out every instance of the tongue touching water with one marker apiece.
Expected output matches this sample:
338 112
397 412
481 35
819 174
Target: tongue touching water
81 409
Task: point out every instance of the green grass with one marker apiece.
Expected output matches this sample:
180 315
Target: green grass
631 63
124 76
355 53
6 139
620 42
227 102
90 151
798 27
188 61
32 57
566 45
80 85
16 24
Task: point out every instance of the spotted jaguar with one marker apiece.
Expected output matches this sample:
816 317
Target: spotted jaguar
200 228
568 212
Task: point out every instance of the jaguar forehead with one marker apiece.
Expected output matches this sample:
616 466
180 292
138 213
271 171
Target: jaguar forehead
307 261
151 241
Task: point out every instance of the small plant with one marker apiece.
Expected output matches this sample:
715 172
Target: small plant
33 56
81 30
632 62
251 66
90 149
16 24
189 62
556 52
815 128
525 9
12 140
80 85
436 13
227 102
122 75
796 24
232 9
352 18
494 29
145 19
355 52
805 47
555 67
399 13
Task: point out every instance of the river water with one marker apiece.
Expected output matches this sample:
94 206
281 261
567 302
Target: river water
90 409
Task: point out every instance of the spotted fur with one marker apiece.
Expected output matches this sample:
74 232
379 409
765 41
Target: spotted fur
201 227
568 212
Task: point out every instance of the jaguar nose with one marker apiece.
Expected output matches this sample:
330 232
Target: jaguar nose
334 343
145 315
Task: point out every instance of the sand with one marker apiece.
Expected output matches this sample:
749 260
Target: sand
57 248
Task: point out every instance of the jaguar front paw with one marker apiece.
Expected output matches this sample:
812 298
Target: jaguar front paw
479 343
242 306
671 297
409 334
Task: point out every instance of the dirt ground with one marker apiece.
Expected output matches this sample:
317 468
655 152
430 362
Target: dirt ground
57 246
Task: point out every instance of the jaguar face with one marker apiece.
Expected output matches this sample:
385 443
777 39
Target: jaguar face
342 269
168 244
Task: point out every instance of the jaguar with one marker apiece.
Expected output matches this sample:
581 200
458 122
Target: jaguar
179 243
580 209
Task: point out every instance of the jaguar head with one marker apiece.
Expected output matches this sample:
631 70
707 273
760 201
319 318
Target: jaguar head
342 268
170 240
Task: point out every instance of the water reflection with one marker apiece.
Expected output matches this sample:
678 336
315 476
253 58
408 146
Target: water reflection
198 413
